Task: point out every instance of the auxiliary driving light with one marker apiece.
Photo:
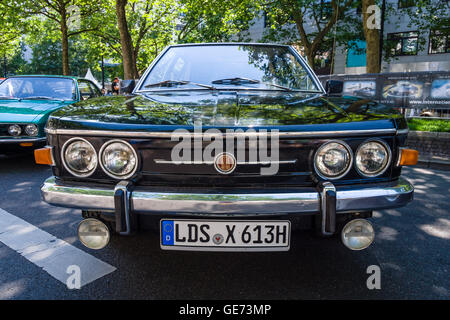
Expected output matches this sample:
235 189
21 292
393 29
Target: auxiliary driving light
93 233
357 234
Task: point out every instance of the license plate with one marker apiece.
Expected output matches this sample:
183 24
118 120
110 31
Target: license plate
225 235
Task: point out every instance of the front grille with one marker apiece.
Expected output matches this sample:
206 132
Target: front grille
156 168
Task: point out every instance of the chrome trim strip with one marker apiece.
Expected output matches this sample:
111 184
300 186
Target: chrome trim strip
20 140
402 131
162 161
349 200
300 134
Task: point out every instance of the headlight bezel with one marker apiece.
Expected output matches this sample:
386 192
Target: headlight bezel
106 171
66 166
345 172
388 162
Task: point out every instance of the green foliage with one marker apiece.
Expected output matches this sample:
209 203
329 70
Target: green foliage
216 20
288 19
432 125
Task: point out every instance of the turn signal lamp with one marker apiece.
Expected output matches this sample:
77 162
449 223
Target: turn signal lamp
408 157
44 156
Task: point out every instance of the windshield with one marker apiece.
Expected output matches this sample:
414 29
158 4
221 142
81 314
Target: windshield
229 67
44 88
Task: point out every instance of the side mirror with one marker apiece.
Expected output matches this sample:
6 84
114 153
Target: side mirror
334 86
127 86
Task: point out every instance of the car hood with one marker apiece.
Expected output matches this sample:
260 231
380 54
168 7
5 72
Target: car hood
26 111
163 111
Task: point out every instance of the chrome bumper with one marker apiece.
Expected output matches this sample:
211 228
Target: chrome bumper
348 199
22 140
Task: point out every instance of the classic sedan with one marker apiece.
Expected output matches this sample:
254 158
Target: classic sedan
403 89
26 103
227 147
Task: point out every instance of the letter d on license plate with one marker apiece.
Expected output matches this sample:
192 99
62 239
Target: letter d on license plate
225 235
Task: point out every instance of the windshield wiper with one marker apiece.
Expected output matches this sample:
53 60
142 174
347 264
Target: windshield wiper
239 80
171 83
41 98
236 80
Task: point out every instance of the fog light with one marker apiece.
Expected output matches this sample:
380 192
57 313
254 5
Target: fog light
93 233
358 234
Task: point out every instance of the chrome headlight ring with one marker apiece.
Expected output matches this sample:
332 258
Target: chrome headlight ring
386 166
63 158
350 154
105 170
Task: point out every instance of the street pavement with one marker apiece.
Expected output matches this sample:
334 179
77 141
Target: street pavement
412 249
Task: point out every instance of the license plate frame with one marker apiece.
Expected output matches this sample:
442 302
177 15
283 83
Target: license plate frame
165 245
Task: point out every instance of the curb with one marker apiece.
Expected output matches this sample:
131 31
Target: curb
436 164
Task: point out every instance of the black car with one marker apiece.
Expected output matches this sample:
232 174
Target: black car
227 147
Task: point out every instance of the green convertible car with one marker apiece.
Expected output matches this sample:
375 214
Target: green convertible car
27 101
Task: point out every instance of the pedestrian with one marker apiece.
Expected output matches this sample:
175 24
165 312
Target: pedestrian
115 86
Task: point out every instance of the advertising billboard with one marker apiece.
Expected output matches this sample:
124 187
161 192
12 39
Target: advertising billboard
420 90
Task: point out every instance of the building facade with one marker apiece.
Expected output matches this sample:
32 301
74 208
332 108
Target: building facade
410 48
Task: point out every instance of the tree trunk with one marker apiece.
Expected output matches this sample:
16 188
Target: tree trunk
125 40
135 69
372 39
64 42
310 57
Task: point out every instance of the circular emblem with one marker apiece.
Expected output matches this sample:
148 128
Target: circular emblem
218 238
168 228
225 163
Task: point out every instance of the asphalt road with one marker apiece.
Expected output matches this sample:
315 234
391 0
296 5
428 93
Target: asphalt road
412 249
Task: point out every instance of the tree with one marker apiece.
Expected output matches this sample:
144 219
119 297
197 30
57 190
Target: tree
216 20
11 29
129 69
372 36
136 31
314 23
63 14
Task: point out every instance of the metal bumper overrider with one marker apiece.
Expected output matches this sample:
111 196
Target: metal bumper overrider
327 200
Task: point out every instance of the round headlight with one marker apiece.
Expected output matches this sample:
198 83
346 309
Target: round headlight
333 160
118 159
372 158
14 130
80 158
31 130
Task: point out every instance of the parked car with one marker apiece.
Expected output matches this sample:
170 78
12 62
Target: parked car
222 146
26 103
365 92
403 89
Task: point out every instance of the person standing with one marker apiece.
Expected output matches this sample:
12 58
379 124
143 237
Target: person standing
115 86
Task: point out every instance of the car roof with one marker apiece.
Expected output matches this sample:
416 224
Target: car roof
46 76
230 44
